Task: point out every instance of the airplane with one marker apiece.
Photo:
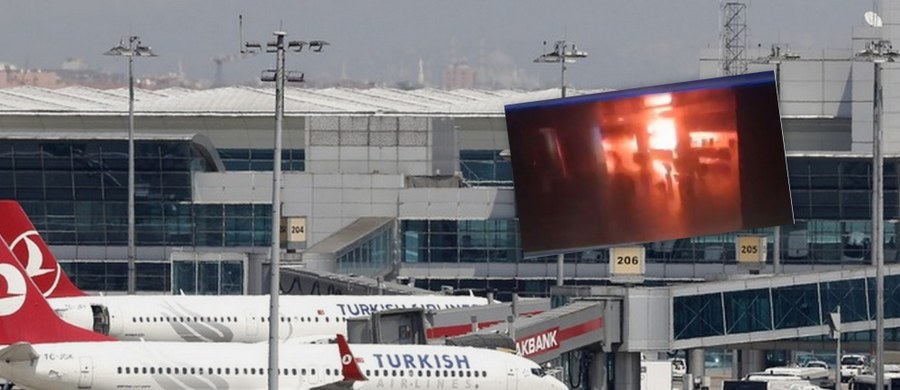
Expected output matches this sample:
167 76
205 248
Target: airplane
219 318
38 350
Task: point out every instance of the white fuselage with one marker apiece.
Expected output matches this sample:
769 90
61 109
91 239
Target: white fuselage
233 318
233 366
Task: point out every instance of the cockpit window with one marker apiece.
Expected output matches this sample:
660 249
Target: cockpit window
538 372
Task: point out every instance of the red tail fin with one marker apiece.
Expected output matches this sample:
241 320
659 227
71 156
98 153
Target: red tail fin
349 368
25 314
33 253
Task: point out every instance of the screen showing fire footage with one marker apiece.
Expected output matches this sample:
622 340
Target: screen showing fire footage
649 164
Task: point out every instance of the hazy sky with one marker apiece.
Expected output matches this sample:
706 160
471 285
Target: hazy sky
630 42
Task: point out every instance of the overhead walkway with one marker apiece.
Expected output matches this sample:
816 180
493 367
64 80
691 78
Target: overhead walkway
763 308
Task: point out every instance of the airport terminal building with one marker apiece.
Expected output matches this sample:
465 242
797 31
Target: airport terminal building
407 184
414 185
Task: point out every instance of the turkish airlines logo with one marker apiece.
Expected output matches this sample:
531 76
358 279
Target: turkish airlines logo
538 343
25 248
346 359
13 298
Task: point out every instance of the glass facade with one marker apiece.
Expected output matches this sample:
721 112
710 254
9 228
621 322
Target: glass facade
219 277
113 275
369 257
780 307
831 198
453 241
76 193
262 159
485 168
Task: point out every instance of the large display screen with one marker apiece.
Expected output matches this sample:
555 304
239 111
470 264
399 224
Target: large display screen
649 164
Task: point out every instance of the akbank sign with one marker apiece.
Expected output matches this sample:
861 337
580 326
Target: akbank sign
538 343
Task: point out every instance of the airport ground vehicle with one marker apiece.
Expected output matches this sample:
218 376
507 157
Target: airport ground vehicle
237 318
867 381
853 365
42 351
813 375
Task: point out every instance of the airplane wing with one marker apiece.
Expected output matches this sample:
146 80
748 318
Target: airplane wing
18 352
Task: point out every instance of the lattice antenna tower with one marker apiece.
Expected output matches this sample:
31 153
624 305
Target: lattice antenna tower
734 38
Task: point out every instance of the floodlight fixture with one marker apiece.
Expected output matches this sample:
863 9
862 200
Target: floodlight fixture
252 47
268 75
130 47
563 52
317 46
296 45
294 76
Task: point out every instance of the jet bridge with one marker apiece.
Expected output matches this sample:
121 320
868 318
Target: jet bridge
612 326
298 280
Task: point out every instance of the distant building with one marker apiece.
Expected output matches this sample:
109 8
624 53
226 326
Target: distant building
459 76
13 77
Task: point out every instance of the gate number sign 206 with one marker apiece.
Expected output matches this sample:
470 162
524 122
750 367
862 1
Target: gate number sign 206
629 260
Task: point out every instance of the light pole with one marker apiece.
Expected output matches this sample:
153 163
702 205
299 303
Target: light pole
563 52
131 47
878 52
279 76
776 57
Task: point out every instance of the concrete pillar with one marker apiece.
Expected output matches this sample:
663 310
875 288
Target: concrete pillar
750 361
696 365
735 364
628 371
598 374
